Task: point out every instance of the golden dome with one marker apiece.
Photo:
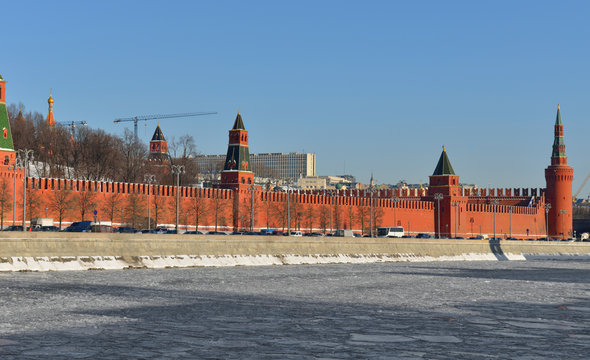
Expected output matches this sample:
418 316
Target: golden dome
50 100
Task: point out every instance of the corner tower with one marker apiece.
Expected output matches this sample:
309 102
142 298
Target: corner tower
237 172
7 153
559 177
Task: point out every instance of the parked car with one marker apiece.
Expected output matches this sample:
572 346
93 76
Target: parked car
216 233
126 230
14 228
237 233
296 233
423 236
79 226
314 234
46 228
194 232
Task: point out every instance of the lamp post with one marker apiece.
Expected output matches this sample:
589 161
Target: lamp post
562 212
252 208
149 179
26 155
371 192
186 222
288 212
438 197
177 170
510 208
494 203
456 204
547 207
331 211
17 165
394 200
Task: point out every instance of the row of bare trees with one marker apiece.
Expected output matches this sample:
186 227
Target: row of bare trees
85 153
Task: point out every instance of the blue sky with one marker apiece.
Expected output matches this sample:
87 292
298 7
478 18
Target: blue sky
372 86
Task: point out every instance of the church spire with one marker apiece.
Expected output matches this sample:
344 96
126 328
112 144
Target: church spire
50 119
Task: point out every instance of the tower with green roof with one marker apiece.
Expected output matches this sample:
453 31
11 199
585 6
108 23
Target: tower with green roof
237 172
6 143
449 203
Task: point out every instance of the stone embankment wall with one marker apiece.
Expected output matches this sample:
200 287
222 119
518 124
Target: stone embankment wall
59 251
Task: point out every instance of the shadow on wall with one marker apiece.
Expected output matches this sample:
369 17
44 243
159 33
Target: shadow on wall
496 249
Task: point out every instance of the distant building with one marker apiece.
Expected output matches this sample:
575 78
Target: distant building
268 165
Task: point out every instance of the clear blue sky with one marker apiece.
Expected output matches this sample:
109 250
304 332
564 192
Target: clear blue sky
374 86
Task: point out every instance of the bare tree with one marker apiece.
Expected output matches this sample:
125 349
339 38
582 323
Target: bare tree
134 155
5 199
135 210
60 203
218 208
309 216
198 209
363 213
324 216
86 201
111 204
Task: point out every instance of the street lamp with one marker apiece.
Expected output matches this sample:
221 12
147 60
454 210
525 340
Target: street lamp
17 165
288 208
456 204
547 207
252 187
25 155
562 212
494 204
371 191
177 170
510 208
438 197
395 200
149 179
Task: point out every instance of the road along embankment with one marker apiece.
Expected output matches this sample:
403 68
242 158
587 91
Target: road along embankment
86 251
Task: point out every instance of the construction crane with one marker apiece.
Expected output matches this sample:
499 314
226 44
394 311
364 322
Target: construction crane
136 119
580 188
72 125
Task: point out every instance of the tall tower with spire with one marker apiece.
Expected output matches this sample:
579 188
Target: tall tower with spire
6 145
50 119
559 177
237 172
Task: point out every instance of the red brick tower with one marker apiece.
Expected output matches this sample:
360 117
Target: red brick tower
159 160
7 153
444 182
237 173
559 177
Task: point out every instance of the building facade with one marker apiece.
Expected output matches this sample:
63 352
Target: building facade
277 165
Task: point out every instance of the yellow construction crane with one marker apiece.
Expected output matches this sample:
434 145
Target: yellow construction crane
135 119
581 187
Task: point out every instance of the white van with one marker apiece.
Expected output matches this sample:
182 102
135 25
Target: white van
395 231
296 233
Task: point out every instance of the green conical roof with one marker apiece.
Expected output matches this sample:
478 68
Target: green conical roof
558 118
444 165
158 135
1 78
239 124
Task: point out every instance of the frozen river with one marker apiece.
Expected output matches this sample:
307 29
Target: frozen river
443 310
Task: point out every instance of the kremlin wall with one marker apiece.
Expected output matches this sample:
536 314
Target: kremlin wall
444 209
